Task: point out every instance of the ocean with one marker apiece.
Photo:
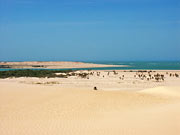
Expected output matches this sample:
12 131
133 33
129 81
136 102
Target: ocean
162 65
175 65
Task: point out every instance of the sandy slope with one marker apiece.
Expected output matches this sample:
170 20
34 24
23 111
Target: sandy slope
27 109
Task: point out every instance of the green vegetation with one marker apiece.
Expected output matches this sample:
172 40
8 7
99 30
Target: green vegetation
5 66
83 75
35 73
37 66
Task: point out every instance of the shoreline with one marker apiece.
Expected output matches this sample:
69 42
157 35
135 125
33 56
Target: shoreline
67 65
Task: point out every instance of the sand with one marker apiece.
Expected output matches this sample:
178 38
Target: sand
54 65
105 81
72 107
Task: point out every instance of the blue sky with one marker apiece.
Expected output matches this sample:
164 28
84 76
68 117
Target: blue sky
89 30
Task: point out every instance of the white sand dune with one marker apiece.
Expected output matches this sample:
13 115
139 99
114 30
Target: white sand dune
165 91
27 109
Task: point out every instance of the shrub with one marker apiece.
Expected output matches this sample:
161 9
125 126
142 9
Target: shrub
34 73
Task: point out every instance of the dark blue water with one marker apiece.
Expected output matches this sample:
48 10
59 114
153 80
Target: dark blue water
130 66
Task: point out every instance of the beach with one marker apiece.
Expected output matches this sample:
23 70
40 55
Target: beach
123 103
89 67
